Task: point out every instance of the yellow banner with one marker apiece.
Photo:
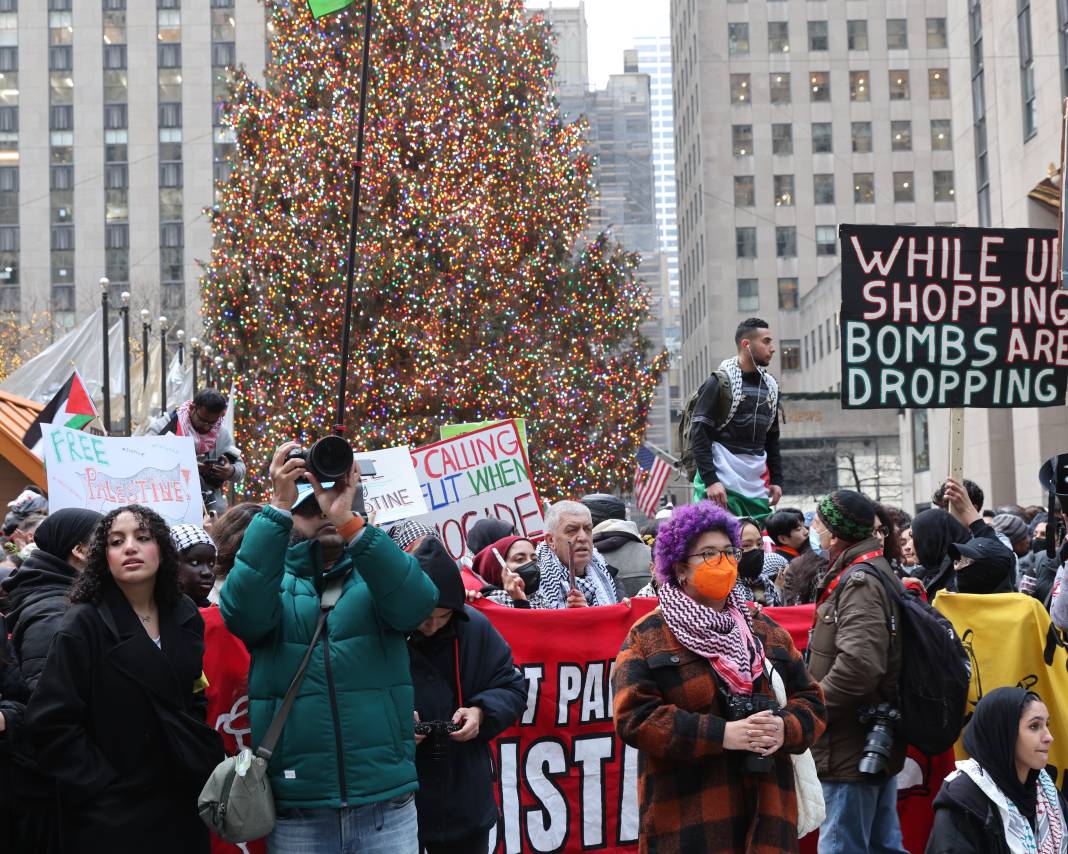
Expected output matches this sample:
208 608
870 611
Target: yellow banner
1011 641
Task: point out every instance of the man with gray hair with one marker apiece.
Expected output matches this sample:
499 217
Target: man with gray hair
573 574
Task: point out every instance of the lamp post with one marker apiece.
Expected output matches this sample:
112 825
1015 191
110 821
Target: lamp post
162 365
104 284
194 353
218 360
146 327
180 335
127 416
207 366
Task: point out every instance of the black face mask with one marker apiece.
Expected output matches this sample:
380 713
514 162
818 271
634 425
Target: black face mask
1038 544
751 564
531 575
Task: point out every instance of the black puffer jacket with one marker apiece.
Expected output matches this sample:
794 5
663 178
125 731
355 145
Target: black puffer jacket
13 696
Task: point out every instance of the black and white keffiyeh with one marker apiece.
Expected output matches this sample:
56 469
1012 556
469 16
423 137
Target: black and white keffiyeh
596 585
184 536
734 373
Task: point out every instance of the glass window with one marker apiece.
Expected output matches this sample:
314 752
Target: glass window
901 136
943 185
858 86
785 241
779 85
740 88
63 298
9 88
223 54
170 263
863 188
170 84
745 243
941 135
169 55
1027 69
822 142
903 187
748 294
936 33
817 35
823 189
861 132
61 88
938 83
790 354
115 27
115 87
782 139
857 35
60 58
117 264
738 39
60 28
9 29
170 204
117 205
897 34
61 138
169 25
778 36
820 85
114 56
899 85
222 25
826 240
789 297
742 140
784 190
744 193
921 446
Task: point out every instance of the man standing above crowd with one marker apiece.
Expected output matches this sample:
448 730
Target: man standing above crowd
734 430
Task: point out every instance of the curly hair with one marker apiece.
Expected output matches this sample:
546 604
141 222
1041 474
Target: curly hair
89 585
228 533
676 536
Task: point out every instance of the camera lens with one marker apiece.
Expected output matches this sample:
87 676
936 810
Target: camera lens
330 458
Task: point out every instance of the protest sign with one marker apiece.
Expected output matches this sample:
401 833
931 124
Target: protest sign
952 317
391 488
449 431
104 472
475 475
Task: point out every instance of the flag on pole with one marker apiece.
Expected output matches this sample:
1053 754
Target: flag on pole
325 7
71 407
650 478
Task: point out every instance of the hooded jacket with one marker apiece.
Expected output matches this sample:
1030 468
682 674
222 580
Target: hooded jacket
933 531
624 551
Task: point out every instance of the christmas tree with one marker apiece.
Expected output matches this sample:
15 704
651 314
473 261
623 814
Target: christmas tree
477 296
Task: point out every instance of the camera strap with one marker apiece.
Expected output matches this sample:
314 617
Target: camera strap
838 579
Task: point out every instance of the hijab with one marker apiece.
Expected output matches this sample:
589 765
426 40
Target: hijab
486 565
60 532
933 531
487 531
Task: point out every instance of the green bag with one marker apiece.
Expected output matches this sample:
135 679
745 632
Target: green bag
237 803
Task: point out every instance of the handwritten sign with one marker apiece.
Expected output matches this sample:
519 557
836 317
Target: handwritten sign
104 472
391 488
480 474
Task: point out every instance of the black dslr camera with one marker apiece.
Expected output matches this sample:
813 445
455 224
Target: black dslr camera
329 459
437 729
880 741
739 707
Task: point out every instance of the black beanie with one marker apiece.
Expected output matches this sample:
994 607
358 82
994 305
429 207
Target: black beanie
443 571
61 531
848 515
603 506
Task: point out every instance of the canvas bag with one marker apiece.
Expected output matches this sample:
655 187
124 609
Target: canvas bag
237 803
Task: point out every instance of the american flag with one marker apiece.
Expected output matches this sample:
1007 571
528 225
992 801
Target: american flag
649 480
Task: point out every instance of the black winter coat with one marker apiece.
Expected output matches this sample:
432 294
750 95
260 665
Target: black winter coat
455 795
13 696
115 720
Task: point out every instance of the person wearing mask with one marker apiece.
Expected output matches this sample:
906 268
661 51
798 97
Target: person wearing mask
618 541
463 674
37 599
1001 799
345 764
758 570
788 532
517 584
982 563
196 562
933 532
117 714
853 657
802 574
567 553
715 773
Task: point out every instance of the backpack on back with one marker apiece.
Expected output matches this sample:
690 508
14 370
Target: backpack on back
723 410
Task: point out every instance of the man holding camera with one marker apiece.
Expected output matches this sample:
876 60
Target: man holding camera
344 767
858 667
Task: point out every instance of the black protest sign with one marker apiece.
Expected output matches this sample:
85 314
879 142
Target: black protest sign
947 317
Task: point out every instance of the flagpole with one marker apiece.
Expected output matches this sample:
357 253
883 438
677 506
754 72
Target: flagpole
163 366
104 285
127 415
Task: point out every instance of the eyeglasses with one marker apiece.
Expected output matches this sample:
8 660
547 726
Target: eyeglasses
710 554
883 531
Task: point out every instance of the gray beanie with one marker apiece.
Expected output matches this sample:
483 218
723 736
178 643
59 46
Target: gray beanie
1011 525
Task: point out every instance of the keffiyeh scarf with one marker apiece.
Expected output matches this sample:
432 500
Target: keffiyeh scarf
596 585
734 373
205 442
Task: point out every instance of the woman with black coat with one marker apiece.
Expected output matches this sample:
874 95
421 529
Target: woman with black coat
117 718
1001 800
13 696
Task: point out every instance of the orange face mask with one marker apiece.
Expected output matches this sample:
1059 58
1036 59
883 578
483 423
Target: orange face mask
714 579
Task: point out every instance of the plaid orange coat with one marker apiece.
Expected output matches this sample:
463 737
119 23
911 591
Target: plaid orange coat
695 797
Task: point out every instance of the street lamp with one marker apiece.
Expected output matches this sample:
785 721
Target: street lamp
194 350
146 327
180 335
127 416
162 365
104 284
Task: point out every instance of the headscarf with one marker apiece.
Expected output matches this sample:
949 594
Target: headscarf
205 442
184 536
933 531
486 565
59 533
406 533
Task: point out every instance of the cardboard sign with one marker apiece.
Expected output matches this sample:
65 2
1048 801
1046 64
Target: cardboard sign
449 431
104 472
952 317
391 488
479 474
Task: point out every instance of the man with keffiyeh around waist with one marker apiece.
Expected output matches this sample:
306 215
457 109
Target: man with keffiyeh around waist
734 431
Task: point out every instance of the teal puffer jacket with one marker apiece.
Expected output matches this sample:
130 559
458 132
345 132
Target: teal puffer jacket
348 739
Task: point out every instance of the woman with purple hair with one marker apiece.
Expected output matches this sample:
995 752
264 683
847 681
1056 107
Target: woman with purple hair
696 686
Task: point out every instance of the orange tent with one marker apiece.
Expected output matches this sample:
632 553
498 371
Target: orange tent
18 465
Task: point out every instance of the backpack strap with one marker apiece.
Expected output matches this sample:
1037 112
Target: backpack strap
893 595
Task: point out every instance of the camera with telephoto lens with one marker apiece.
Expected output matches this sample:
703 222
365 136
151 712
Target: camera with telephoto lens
329 458
741 706
879 744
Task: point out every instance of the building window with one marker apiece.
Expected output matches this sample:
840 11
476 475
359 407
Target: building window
823 189
745 242
744 193
742 140
857 35
901 136
817 35
782 139
114 56
941 135
1027 70
223 54
943 185
738 39
785 241
936 33
899 85
778 37
748 294
863 188
903 187
114 116
820 85
784 191
170 56
170 174
790 353
982 171
897 34
921 446
115 87
822 142
789 297
740 88
170 115
858 86
60 58
826 240
938 83
861 132
779 86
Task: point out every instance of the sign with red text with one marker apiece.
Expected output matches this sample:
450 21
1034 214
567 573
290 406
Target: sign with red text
952 317
104 472
480 474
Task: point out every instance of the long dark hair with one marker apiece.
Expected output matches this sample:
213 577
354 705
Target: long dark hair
228 533
892 543
89 585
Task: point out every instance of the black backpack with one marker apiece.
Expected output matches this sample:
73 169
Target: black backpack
723 409
935 670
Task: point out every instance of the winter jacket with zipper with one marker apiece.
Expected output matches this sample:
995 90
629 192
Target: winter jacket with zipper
624 550
349 738
851 655
455 796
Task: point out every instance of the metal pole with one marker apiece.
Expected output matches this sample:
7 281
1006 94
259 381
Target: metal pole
207 366
104 285
163 366
180 335
127 414
194 352
146 327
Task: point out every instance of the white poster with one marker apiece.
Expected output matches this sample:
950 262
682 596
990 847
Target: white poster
391 488
104 472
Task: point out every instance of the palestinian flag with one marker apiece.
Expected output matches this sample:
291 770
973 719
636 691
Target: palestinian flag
71 407
745 477
326 7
